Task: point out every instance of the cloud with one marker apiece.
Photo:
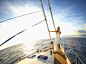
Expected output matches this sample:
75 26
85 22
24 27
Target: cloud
65 17
71 23
75 33
67 14
85 26
81 32
9 9
12 27
67 22
19 9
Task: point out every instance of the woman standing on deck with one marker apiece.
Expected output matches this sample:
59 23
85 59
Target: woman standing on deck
57 39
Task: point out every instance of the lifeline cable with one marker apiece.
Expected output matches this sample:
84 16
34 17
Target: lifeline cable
75 54
45 2
24 15
21 15
19 33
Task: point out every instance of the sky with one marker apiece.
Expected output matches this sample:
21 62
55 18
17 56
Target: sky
69 15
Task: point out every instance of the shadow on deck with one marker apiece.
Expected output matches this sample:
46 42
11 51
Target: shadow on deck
59 58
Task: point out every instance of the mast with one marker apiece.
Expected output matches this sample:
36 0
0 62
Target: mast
45 19
51 14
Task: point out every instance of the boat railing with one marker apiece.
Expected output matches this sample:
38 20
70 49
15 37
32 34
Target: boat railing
46 48
76 56
33 51
24 55
65 54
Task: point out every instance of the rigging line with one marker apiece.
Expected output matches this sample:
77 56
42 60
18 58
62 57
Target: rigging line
37 23
45 2
22 15
19 33
76 54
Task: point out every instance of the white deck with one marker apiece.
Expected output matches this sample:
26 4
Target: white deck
35 60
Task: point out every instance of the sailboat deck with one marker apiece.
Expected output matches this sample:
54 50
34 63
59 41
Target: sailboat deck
59 58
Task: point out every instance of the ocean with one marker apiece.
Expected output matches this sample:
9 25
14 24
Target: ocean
14 53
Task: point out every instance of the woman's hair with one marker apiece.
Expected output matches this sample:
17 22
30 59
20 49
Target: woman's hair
58 28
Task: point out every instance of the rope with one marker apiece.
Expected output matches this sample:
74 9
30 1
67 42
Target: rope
45 2
25 15
76 55
19 33
12 37
22 15
37 23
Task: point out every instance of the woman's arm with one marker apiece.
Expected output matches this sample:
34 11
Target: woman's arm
52 31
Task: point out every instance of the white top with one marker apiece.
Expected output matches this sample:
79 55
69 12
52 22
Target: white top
57 40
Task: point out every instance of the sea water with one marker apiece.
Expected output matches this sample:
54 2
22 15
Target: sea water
78 45
14 53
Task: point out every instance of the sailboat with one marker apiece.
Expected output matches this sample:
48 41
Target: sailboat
47 55
53 54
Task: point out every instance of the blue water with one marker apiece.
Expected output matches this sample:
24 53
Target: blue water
11 54
78 45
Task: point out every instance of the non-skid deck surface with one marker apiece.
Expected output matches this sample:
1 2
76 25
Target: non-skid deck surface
59 58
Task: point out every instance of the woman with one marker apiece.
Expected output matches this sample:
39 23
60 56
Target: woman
57 39
57 31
